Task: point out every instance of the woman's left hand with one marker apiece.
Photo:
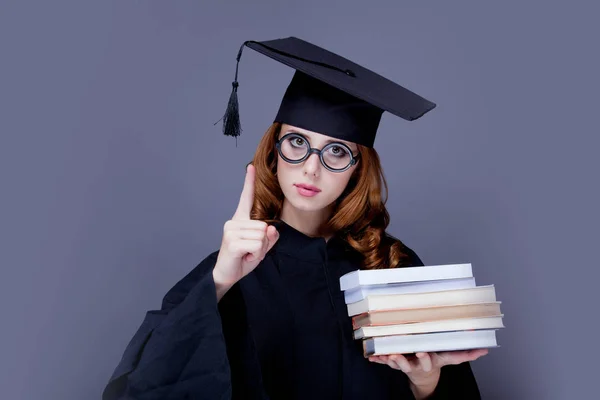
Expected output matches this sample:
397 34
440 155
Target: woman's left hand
424 369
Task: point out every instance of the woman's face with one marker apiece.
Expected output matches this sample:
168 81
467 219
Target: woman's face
309 186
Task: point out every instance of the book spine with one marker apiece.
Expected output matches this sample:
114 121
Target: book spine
368 347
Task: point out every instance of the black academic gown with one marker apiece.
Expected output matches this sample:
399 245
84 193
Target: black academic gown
282 332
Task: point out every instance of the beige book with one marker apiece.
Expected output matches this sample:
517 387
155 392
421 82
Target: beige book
479 294
410 315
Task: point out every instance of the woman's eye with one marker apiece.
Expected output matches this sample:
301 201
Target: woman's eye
338 151
298 141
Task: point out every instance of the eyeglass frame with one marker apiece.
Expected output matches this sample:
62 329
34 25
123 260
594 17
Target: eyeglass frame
311 150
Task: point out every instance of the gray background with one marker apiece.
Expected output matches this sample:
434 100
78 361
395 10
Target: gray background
115 183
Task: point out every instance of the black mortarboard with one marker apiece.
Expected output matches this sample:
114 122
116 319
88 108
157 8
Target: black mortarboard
330 94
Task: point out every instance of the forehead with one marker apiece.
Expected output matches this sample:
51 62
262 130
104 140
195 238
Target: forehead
314 137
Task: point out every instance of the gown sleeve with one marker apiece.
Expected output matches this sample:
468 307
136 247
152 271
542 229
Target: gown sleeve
177 350
456 381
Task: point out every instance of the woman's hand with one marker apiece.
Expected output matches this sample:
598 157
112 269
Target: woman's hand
423 369
245 241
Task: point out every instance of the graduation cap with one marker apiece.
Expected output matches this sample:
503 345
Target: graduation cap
329 94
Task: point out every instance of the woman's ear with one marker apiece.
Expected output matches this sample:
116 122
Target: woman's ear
356 168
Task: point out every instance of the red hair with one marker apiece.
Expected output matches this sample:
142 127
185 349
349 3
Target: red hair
359 216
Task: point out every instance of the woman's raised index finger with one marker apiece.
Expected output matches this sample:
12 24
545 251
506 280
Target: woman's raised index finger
247 197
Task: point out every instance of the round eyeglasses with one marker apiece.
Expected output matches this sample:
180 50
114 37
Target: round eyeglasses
335 157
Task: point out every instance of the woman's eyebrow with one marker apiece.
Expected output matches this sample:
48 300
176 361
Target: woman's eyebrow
338 141
326 142
350 146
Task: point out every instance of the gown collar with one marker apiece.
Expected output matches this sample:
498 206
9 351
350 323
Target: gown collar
297 244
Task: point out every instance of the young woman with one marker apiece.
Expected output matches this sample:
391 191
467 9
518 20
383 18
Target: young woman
264 317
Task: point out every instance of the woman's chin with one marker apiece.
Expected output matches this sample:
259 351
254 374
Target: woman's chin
307 207
306 204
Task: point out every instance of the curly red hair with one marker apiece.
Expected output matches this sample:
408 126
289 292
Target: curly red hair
359 216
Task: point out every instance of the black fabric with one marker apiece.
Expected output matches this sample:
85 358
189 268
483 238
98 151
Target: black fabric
311 104
282 332
330 94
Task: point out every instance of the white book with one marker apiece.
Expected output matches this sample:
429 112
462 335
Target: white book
404 274
361 292
448 325
479 294
430 342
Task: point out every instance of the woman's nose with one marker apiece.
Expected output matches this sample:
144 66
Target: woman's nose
312 164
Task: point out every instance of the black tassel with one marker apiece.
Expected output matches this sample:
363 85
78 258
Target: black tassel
231 120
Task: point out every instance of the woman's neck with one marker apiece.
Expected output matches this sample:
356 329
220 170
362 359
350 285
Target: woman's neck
308 222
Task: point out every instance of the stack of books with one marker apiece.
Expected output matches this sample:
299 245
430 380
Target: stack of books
421 309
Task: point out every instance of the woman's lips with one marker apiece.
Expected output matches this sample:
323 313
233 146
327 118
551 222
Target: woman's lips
307 190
